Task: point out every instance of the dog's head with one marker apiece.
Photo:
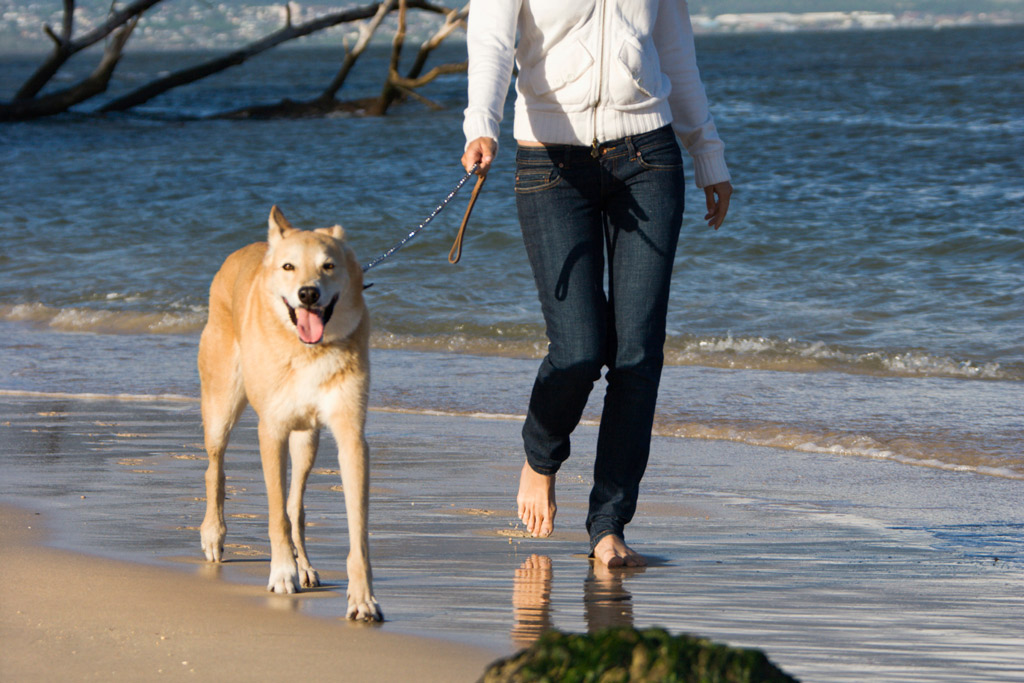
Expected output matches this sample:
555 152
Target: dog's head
315 277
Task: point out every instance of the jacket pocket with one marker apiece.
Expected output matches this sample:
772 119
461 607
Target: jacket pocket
636 73
559 76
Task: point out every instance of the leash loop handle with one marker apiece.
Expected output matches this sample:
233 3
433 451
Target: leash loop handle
456 251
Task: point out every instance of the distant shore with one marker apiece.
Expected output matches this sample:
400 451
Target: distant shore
225 27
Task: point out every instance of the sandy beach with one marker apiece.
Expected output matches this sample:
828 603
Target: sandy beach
840 569
72 617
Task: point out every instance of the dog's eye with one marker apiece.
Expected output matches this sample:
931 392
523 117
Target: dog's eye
288 266
328 266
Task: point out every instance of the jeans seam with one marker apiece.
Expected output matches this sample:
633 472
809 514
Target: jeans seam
540 188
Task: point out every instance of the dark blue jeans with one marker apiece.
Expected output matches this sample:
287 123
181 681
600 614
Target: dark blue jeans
579 214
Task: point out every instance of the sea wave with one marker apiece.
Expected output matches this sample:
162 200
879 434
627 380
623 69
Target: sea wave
741 353
731 352
906 451
792 355
94 396
106 321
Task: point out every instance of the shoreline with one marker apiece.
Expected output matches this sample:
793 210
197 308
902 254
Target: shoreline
838 569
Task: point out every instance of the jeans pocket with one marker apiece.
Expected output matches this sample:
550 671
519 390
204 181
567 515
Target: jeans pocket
530 178
660 155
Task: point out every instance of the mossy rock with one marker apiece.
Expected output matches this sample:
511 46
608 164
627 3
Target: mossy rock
622 654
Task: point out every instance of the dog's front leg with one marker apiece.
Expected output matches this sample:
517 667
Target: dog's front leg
353 459
302 446
213 530
284 574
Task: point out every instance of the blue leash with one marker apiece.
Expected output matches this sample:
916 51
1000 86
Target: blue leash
401 243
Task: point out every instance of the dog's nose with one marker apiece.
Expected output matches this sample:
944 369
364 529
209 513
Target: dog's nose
309 295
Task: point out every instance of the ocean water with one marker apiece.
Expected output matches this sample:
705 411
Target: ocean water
864 298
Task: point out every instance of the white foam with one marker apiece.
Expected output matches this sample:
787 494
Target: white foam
89 396
766 353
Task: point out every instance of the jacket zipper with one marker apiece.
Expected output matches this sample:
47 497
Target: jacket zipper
594 151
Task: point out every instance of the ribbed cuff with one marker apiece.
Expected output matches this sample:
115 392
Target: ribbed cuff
709 169
475 126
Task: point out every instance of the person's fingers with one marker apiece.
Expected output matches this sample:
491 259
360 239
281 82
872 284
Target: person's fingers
717 198
710 202
479 153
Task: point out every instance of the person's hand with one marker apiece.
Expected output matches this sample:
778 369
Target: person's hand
480 151
717 196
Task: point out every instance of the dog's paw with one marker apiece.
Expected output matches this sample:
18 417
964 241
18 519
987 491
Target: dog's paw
364 610
284 579
308 577
213 543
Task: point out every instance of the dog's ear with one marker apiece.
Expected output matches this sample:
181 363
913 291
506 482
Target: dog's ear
335 231
279 226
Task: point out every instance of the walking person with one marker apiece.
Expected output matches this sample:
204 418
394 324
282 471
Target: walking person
604 89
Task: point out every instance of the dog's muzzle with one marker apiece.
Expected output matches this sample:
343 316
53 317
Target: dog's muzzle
310 319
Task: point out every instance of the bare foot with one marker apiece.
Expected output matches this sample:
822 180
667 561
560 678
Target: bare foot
536 501
612 551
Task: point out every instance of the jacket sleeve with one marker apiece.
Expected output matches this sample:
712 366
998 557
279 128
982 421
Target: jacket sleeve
691 118
490 43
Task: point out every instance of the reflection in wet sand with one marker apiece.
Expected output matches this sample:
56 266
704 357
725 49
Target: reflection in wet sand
531 600
605 601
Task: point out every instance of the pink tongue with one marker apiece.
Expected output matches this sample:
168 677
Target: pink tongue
310 325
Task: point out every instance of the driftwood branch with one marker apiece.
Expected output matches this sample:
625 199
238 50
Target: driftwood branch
366 31
65 48
119 25
439 70
282 35
68 24
327 103
397 85
426 101
92 85
389 93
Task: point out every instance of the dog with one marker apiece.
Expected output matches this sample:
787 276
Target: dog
288 333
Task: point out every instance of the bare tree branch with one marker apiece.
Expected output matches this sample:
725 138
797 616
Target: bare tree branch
388 93
92 85
120 24
65 47
366 32
409 92
438 70
282 35
453 20
395 84
326 103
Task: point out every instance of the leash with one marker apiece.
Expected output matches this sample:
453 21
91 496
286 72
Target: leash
456 253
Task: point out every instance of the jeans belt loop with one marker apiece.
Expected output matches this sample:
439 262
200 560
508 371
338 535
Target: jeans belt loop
631 146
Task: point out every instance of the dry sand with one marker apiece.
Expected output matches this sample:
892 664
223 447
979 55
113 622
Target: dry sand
841 569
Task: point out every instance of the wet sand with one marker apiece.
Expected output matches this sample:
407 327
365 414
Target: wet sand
72 617
841 569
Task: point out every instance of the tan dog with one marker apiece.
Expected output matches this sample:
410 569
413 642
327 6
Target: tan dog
288 333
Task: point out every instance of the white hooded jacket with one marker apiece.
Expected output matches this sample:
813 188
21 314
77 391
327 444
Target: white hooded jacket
591 71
